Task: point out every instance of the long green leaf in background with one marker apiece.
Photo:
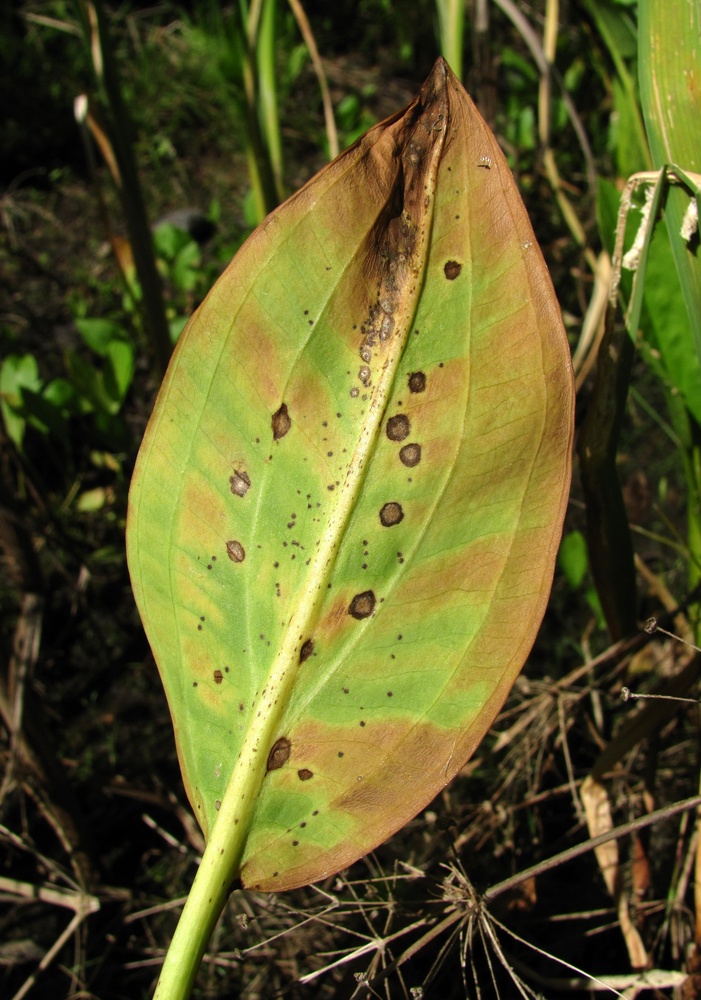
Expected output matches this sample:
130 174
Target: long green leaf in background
670 82
346 510
670 91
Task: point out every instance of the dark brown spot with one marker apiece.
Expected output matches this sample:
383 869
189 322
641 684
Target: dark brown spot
279 754
398 427
218 676
295 843
305 774
391 514
410 455
417 382
452 269
235 551
362 605
240 483
306 651
281 423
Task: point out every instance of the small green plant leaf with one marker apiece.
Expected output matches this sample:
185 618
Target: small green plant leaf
118 372
572 558
346 510
98 334
19 374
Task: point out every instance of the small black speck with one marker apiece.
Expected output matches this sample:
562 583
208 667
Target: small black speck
389 694
340 753
194 684
362 723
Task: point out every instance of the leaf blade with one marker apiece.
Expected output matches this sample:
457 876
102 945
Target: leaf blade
288 468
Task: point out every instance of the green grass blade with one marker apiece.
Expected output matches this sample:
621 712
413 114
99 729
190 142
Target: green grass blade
347 507
618 33
451 20
267 93
669 61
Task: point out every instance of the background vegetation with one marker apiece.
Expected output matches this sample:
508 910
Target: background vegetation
197 119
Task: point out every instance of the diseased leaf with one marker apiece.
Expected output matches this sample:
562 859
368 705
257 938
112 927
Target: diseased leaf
347 506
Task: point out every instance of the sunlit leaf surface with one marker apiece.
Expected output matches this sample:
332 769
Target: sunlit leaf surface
347 506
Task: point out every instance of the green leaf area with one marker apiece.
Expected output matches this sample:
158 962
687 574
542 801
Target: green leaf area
346 510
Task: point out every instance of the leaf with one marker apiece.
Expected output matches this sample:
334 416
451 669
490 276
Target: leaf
572 558
669 55
18 374
346 509
664 317
597 808
98 334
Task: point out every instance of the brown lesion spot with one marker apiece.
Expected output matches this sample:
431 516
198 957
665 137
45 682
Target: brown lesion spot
306 651
235 551
281 422
452 269
410 455
391 514
417 382
240 483
362 605
304 774
398 427
218 676
279 754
